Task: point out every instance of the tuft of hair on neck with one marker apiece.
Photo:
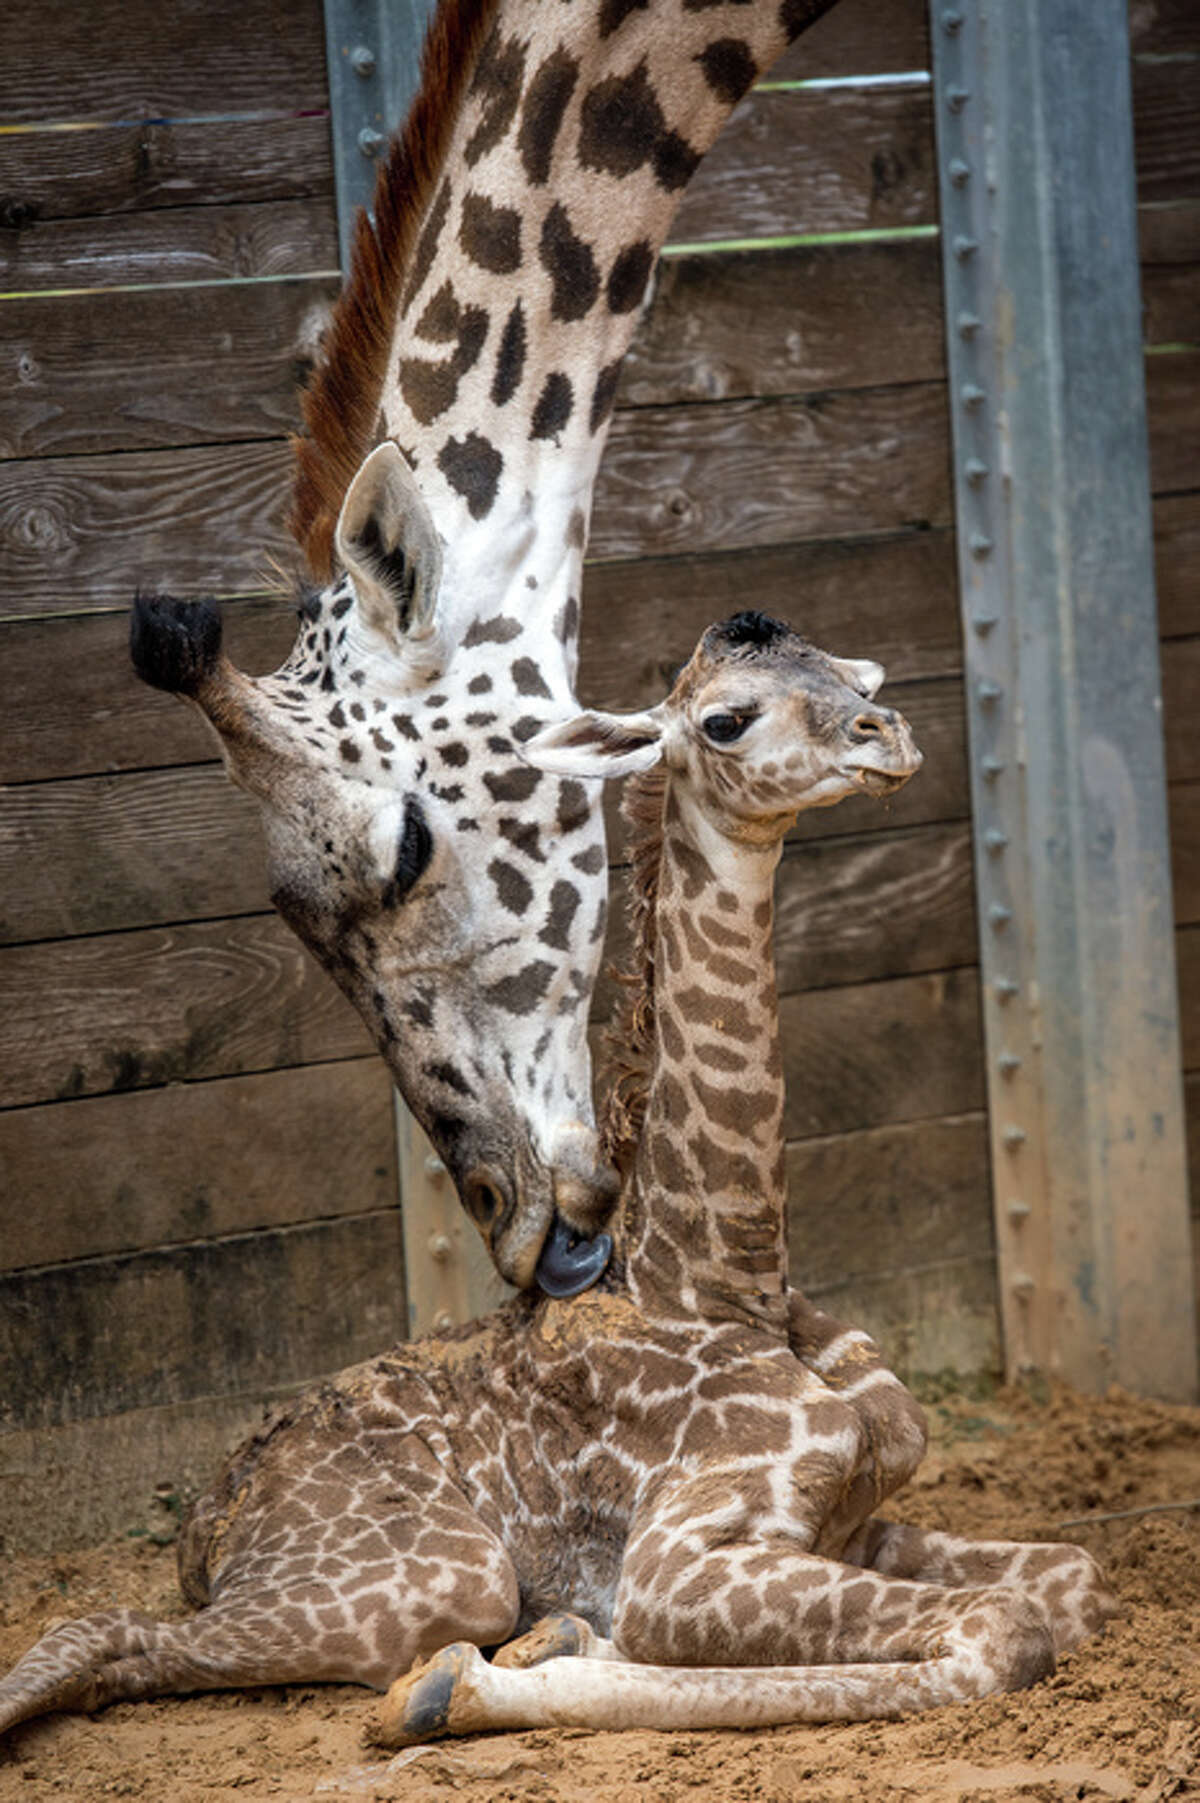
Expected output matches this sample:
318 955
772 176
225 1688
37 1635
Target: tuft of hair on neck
341 402
628 1042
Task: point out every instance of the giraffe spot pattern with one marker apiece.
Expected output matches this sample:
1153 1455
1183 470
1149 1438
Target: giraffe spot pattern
490 234
510 358
472 467
524 836
553 408
512 785
520 994
528 678
498 77
729 68
629 276
568 261
514 890
546 102
572 805
427 244
500 629
604 394
564 904
622 128
451 1076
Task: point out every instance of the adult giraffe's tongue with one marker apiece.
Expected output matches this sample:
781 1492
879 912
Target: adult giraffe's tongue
569 1264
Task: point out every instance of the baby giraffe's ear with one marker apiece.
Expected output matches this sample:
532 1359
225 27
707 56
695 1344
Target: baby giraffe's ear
595 744
860 674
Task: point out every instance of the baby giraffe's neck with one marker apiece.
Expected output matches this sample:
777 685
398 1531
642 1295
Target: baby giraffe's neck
704 1210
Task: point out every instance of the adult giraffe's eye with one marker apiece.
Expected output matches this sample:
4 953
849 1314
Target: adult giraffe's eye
413 853
723 729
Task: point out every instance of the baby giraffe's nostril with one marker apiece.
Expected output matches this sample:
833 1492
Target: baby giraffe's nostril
867 724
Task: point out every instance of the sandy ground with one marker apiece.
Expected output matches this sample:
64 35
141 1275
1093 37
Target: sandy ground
1120 1718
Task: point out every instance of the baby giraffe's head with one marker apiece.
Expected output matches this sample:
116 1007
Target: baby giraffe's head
758 726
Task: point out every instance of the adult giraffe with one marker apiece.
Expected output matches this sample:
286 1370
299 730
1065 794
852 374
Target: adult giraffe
649 1455
455 428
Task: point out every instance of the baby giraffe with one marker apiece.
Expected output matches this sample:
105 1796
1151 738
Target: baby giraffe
650 1456
752 1589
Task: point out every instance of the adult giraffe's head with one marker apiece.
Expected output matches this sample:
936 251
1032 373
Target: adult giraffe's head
455 894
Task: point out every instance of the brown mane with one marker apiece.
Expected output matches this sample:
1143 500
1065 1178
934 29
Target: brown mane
629 1039
341 403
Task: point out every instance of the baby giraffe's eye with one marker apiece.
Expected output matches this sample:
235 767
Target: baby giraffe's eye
723 729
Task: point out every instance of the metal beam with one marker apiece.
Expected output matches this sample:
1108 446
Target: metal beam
1035 152
373 53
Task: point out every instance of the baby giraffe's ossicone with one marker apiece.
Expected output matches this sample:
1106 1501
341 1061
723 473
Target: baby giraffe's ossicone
759 726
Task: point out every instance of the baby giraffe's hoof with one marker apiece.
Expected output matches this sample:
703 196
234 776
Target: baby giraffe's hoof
432 1699
554 1637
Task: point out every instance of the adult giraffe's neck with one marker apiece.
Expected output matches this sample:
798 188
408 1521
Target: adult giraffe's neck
703 1228
573 141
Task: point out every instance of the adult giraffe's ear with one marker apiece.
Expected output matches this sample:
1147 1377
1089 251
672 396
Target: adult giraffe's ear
388 542
860 674
595 744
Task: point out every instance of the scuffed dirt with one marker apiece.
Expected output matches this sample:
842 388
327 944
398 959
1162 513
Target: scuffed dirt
1120 1718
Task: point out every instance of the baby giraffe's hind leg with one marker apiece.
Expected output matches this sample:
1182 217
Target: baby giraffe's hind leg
346 1573
1063 1580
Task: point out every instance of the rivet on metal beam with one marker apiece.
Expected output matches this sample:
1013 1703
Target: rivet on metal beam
434 1166
439 1246
1004 989
1017 1211
1015 1137
442 1322
992 767
362 60
965 247
951 21
958 171
989 693
995 840
999 917
975 470
972 395
968 324
1023 1287
369 141
980 544
957 98
983 623
1009 1063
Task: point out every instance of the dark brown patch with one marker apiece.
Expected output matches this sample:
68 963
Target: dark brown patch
514 890
472 467
520 994
498 79
510 358
729 68
622 123
629 275
604 393
568 261
573 810
490 234
546 101
512 785
564 904
427 245
454 754
528 679
524 836
737 1110
500 629
553 408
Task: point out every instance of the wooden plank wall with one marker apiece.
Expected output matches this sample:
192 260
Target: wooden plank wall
198 1156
